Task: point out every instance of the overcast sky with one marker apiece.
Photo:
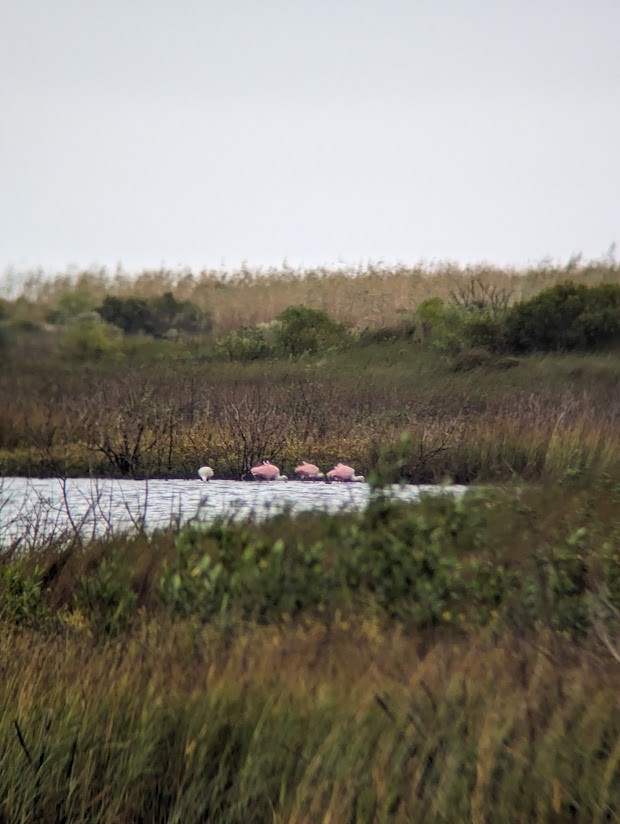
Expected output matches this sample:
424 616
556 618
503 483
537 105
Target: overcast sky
202 133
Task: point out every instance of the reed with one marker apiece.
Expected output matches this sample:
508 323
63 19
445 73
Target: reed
371 295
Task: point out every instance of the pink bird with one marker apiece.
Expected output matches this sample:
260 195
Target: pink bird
267 472
341 472
309 472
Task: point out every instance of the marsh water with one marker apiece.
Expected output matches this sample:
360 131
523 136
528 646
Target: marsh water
32 510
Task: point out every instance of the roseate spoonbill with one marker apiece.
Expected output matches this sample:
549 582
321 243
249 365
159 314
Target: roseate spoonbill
309 472
205 472
267 472
341 472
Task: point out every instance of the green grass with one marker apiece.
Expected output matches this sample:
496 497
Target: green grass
173 725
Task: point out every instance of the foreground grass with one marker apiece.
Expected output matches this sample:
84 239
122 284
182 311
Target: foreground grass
304 725
449 660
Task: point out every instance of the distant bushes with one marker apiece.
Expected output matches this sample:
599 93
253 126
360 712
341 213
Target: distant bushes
90 338
302 329
476 328
244 345
477 313
565 317
160 316
297 331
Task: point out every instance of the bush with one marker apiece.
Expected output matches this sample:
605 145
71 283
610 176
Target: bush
565 317
20 595
302 330
70 304
105 596
448 332
437 562
485 331
430 313
184 316
154 317
132 315
244 345
90 338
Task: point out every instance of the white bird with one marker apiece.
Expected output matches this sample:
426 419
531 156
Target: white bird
205 473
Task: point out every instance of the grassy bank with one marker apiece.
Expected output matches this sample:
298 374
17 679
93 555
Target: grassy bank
448 660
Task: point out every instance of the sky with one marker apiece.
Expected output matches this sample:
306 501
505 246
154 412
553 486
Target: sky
208 133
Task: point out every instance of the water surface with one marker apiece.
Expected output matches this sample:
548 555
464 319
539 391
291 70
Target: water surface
32 509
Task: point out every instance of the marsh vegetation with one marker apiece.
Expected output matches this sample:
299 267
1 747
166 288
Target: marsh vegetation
493 375
454 659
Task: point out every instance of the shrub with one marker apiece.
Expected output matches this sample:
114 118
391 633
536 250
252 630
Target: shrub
169 313
105 596
484 331
244 345
430 312
479 295
20 595
566 316
302 329
70 304
156 316
130 314
449 330
90 338
424 565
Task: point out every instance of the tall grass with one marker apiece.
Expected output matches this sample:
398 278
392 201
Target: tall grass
372 295
175 724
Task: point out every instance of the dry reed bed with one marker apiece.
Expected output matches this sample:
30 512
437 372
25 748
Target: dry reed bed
371 295
182 723
110 425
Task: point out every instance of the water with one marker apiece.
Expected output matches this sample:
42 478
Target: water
32 510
